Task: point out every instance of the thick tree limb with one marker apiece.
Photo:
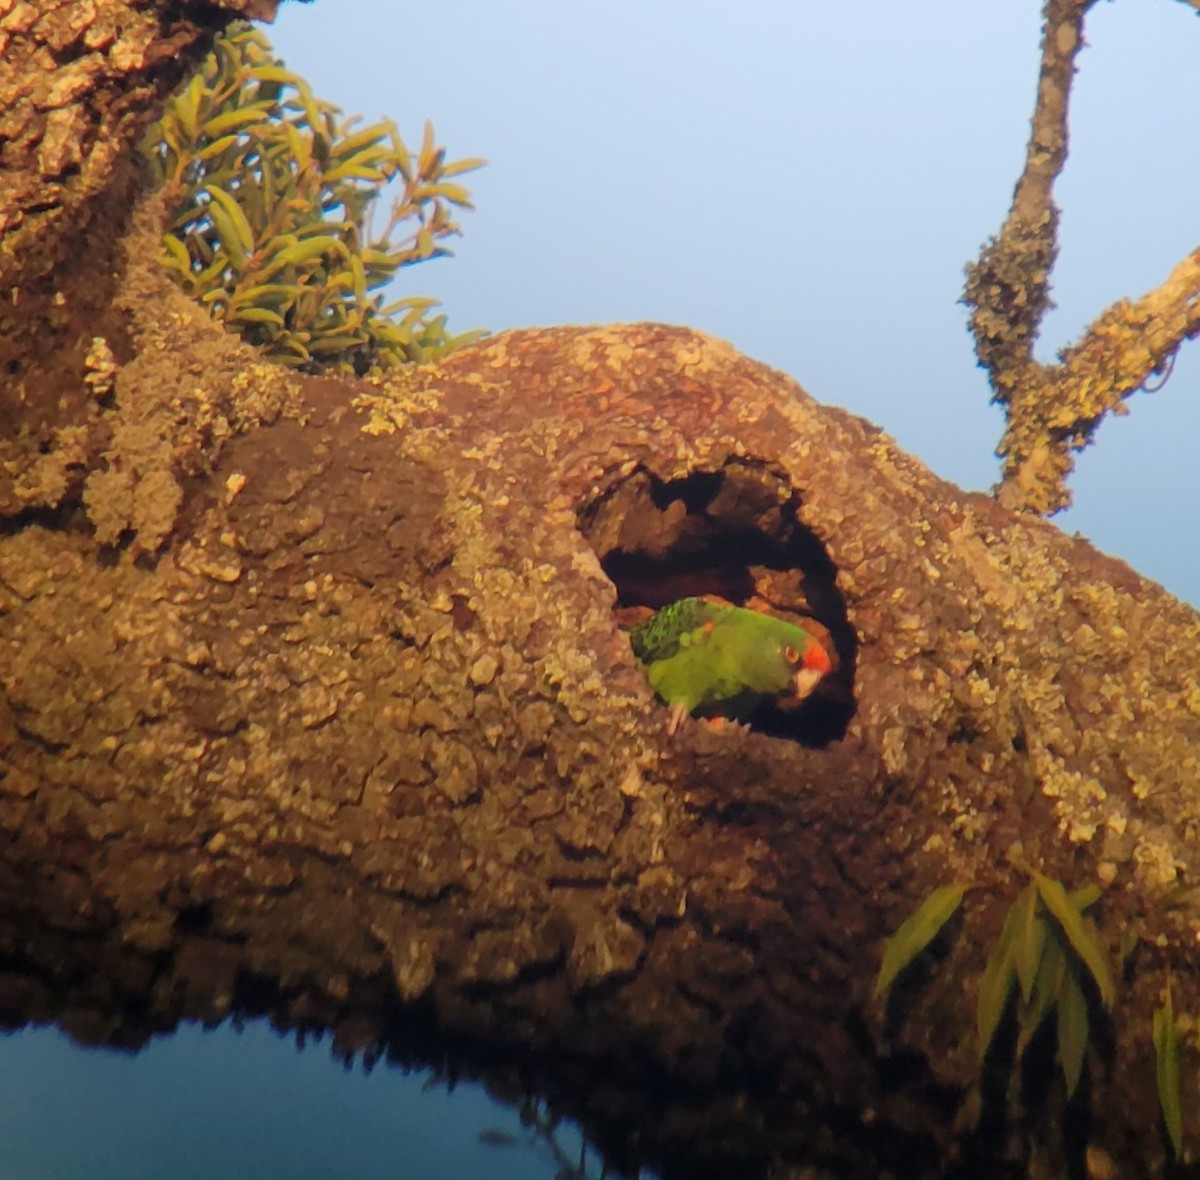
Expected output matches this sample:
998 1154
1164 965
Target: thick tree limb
364 748
1054 410
77 82
313 702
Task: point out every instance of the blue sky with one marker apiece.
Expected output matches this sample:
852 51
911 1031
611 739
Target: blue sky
805 179
200 1106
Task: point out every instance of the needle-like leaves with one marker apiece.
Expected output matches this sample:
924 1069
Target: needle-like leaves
916 932
1029 937
1048 950
1083 943
995 985
1072 1030
1166 1054
274 192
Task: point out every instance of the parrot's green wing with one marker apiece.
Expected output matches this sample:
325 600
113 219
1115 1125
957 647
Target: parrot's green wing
662 634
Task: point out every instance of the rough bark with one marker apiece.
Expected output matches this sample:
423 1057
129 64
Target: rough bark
79 81
361 743
314 702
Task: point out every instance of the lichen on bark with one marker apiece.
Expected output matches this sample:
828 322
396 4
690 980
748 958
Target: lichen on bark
348 732
366 740
165 421
1054 410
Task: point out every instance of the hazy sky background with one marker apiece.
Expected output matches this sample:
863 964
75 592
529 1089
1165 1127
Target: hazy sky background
803 179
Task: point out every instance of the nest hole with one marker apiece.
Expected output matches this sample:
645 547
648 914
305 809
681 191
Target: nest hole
733 533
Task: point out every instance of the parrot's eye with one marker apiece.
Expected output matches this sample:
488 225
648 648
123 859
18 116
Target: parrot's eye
791 654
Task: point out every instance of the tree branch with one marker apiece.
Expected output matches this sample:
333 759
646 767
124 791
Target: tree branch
1053 411
77 83
314 703
364 748
1008 287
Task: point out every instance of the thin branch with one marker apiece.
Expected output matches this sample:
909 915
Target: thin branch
1008 287
1054 410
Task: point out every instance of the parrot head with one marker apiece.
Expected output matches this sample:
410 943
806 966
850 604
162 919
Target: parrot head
809 663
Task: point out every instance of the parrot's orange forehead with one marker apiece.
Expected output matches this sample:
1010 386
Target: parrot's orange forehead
812 656
817 658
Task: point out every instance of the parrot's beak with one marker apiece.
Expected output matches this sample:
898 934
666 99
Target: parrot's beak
808 675
803 683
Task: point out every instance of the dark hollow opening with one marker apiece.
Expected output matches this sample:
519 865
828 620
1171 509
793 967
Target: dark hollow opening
733 533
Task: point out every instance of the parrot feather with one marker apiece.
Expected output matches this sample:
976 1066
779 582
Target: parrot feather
718 660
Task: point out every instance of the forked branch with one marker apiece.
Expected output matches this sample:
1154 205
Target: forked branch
1054 410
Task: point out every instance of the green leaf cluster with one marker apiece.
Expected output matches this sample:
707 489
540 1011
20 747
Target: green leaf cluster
1049 957
272 192
1048 952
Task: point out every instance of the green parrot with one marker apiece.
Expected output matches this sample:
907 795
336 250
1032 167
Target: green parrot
719 660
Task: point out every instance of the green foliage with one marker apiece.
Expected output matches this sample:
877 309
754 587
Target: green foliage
1050 950
917 931
996 982
1166 1054
1049 957
272 192
1072 1029
1067 912
1047 953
